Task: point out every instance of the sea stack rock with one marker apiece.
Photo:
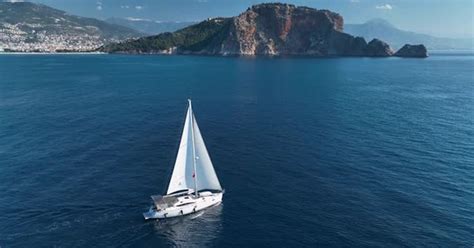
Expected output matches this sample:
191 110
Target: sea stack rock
412 51
378 48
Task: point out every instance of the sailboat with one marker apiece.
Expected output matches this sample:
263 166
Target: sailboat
194 185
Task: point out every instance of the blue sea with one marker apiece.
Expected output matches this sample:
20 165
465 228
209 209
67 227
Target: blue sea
339 152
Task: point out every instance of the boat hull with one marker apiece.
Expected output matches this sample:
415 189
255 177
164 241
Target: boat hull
186 205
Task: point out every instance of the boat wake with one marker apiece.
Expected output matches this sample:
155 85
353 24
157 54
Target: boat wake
198 229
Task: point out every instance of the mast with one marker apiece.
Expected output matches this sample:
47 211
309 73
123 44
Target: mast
194 148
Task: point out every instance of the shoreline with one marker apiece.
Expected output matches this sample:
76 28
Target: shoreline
431 52
51 53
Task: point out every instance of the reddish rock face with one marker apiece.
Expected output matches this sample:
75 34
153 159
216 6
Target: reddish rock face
284 29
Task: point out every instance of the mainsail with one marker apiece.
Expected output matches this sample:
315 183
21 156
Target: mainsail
190 172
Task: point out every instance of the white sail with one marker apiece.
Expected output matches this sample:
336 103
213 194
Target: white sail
190 173
182 177
206 175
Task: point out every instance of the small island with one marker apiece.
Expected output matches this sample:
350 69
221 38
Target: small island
271 29
414 51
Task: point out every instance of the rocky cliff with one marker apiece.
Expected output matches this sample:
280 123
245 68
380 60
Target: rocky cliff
264 29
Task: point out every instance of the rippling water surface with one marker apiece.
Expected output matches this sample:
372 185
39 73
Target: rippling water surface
352 152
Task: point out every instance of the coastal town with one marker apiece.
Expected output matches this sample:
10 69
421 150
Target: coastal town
15 39
31 27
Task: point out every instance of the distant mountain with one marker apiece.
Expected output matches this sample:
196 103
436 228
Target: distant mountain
264 29
149 26
382 29
26 26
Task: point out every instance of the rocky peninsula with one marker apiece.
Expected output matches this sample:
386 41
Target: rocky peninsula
272 29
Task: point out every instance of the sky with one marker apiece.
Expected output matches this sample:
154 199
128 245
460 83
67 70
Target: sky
443 18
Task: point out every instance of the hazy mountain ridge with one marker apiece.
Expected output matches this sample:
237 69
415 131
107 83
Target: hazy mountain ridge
382 29
26 26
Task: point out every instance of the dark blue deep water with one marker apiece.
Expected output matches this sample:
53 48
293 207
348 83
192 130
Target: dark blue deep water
347 152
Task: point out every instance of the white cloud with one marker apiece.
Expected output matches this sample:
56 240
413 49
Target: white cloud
99 5
354 1
125 7
384 6
133 19
138 7
13 1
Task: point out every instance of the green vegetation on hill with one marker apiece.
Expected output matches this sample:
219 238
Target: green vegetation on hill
192 38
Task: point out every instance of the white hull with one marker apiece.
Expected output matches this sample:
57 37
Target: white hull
187 204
